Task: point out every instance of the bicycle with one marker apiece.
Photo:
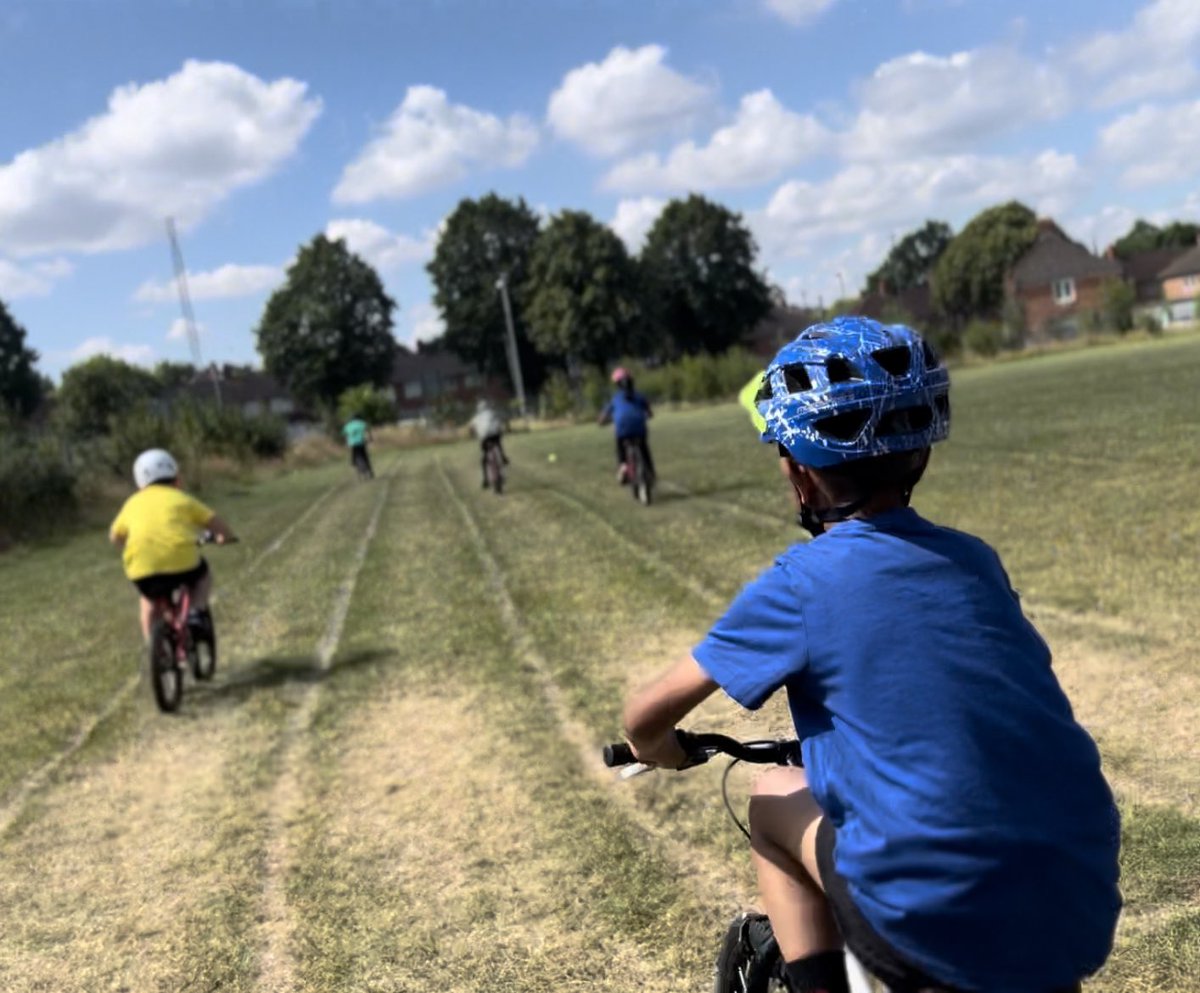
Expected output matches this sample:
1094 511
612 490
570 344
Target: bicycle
494 468
638 474
749 959
179 642
362 464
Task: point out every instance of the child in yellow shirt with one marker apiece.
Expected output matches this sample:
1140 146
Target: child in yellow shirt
157 530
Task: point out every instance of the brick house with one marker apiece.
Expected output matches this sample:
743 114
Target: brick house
1181 287
1143 270
782 323
432 380
1058 283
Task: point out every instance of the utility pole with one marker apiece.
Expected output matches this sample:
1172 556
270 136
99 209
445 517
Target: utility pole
514 360
185 304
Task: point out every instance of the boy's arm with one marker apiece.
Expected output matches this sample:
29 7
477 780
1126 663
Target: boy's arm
653 712
118 532
221 531
605 414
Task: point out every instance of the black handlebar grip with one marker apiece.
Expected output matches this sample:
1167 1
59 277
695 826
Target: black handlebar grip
618 754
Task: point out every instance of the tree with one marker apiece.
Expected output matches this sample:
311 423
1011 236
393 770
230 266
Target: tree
329 327
373 404
95 392
21 388
172 375
1144 236
582 292
968 280
483 240
698 263
911 259
1119 298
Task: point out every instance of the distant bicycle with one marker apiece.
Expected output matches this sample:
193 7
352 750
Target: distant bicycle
494 467
639 475
179 642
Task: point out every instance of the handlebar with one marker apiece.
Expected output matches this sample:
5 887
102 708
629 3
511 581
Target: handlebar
701 747
207 537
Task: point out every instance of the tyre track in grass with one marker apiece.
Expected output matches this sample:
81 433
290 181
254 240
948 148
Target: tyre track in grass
19 796
453 841
277 967
143 870
716 884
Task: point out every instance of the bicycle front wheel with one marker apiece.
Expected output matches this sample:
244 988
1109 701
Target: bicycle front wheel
749 959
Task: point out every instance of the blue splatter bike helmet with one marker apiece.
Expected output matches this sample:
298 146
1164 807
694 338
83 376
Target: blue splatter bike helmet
849 389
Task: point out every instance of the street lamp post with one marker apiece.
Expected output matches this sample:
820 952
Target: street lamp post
514 359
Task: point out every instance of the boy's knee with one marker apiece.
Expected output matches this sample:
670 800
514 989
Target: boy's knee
782 806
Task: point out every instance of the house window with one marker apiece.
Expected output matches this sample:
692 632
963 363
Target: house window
472 381
1064 291
1191 282
412 389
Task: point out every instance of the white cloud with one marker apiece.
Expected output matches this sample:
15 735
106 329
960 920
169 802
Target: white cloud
424 324
103 345
881 196
32 279
764 140
174 147
629 99
798 12
1154 56
1154 144
1103 227
224 282
634 218
379 246
178 330
920 104
430 142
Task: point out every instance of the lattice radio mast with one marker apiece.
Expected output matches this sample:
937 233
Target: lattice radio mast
185 304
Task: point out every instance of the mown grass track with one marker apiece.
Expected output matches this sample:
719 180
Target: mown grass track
415 800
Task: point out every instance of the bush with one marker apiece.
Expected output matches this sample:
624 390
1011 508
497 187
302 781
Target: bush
37 485
373 404
1151 324
984 338
1119 298
556 399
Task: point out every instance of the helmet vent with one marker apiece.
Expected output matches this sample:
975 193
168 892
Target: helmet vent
906 420
796 379
897 360
841 370
844 427
931 356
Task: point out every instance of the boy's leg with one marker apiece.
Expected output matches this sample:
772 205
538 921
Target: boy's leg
644 444
483 453
201 590
784 817
146 614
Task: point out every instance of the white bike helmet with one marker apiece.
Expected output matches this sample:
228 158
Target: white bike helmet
152 466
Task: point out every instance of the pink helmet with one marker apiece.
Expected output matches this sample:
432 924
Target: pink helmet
620 373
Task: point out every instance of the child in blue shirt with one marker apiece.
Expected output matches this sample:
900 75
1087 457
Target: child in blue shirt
951 824
628 410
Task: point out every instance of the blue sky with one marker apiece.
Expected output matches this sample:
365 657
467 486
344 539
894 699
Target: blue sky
832 125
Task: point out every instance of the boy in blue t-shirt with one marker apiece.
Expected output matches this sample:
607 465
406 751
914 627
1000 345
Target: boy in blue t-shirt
628 410
951 824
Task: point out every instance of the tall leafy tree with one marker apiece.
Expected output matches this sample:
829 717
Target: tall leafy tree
583 291
1144 236
173 375
968 279
698 262
21 388
329 327
102 388
912 258
483 240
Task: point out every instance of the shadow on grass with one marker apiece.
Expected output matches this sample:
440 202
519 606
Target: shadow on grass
270 672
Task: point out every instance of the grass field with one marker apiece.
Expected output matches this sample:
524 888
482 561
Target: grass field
393 782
